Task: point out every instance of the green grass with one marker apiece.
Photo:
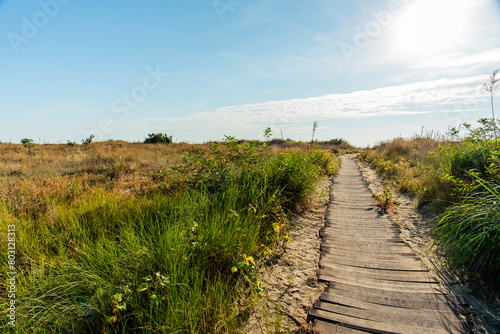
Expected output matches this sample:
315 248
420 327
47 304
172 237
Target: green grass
161 262
470 233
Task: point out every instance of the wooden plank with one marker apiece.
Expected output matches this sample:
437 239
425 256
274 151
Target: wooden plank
394 309
449 321
357 232
356 257
391 297
382 276
411 266
400 251
361 231
382 285
371 326
323 327
374 271
345 250
375 236
370 240
369 255
364 246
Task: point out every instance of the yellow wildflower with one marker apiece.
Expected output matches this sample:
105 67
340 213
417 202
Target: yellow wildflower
234 269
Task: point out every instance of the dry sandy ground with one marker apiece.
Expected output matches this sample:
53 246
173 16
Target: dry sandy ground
290 280
416 231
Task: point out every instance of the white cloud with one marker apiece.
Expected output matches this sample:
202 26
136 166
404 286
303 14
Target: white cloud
460 60
462 96
420 97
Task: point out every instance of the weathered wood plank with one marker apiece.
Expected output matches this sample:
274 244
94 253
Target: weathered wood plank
394 309
410 266
373 326
390 276
360 292
323 327
406 318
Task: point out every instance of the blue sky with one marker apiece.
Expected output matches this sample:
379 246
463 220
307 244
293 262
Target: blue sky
198 70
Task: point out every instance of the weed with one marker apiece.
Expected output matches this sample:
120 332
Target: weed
386 200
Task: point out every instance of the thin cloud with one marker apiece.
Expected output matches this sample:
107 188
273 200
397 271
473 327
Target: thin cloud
460 60
422 97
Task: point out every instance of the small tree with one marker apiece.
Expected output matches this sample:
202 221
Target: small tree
27 142
268 133
88 140
154 138
491 87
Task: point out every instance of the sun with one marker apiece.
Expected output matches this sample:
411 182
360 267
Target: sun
431 27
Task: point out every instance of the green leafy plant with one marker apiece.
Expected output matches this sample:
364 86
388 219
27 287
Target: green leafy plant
386 200
268 133
159 176
27 142
88 140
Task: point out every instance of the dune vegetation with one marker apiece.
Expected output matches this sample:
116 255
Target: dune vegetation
117 237
457 175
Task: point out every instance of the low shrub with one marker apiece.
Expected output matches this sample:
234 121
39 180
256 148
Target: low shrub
158 138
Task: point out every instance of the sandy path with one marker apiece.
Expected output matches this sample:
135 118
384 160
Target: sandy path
290 280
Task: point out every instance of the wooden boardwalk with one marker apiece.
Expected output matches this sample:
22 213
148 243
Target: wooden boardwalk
376 283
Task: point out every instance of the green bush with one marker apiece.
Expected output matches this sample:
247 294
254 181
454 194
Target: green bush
448 176
156 138
27 142
88 140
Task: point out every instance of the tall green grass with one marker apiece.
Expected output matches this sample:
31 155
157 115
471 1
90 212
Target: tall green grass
162 262
448 178
470 233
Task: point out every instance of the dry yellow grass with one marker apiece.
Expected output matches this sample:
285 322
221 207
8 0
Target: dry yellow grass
34 180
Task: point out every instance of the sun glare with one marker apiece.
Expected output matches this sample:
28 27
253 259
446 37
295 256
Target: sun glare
430 27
